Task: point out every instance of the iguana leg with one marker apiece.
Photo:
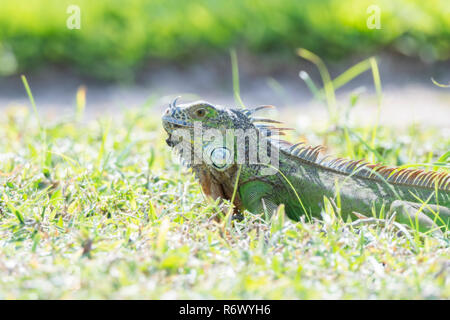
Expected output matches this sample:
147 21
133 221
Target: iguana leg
425 214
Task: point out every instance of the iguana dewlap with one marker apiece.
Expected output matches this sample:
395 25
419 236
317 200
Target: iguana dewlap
300 178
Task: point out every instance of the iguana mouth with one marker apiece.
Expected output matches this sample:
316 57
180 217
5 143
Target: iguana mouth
172 123
169 142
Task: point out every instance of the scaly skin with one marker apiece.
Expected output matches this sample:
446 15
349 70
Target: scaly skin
302 179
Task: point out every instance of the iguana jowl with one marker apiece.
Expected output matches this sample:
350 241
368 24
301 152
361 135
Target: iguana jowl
304 177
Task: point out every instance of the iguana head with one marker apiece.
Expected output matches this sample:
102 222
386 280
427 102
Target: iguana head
204 115
184 117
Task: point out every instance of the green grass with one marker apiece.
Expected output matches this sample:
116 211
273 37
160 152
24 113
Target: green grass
100 209
116 39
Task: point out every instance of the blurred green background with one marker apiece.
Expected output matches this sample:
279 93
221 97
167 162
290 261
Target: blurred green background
119 37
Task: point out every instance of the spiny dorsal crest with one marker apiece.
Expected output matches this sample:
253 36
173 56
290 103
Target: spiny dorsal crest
358 168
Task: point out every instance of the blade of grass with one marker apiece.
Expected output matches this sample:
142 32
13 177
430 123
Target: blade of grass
292 188
318 94
377 83
326 79
235 71
230 210
30 96
41 128
443 159
351 73
81 103
440 85
367 145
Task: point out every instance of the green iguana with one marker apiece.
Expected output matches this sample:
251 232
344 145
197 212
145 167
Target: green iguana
302 177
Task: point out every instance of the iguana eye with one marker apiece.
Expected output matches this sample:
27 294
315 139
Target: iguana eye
200 112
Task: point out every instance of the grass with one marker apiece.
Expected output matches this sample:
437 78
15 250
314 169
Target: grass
115 40
99 208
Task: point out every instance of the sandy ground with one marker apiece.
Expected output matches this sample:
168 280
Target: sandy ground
408 93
